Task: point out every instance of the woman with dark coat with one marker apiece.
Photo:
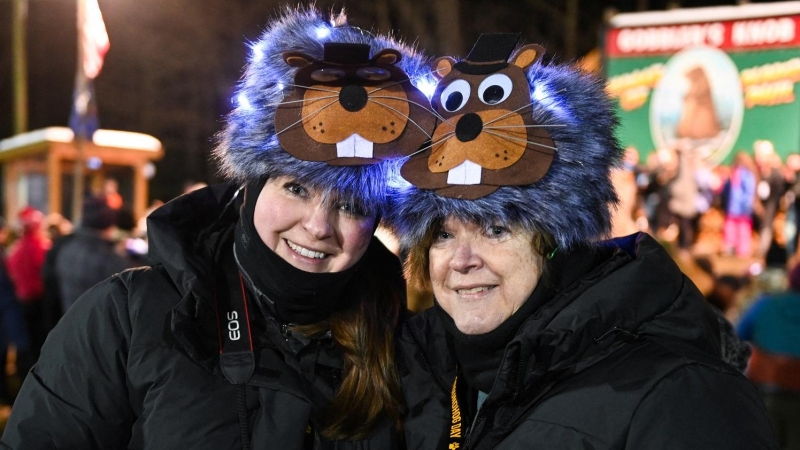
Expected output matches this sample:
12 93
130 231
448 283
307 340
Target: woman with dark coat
267 317
542 335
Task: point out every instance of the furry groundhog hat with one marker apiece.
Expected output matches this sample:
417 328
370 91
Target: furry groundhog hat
328 104
518 142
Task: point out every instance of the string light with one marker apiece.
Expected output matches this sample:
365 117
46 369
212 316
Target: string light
258 52
323 32
427 86
243 102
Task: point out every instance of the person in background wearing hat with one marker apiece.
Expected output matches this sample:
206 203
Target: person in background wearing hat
268 315
772 326
86 257
542 335
12 324
24 263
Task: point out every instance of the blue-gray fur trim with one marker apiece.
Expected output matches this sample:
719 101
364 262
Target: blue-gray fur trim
572 202
247 148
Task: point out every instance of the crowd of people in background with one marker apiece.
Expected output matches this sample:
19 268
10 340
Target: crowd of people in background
48 262
747 208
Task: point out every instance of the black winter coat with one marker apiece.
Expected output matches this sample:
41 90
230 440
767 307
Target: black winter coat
624 356
135 362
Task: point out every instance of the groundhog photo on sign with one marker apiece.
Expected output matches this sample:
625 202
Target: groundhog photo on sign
698 118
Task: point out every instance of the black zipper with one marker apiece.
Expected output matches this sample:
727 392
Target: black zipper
478 420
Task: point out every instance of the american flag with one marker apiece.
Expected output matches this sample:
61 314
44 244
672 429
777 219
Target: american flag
93 42
94 39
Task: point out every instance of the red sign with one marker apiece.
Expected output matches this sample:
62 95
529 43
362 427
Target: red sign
747 34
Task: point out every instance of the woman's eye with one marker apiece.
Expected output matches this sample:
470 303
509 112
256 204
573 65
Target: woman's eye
295 189
352 209
442 235
496 231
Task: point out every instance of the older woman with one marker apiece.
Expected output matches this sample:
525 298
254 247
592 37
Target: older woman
541 335
267 317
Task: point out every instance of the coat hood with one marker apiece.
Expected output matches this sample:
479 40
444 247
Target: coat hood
185 233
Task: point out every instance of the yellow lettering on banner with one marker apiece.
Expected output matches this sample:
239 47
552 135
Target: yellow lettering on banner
769 94
633 98
647 77
455 430
633 88
777 71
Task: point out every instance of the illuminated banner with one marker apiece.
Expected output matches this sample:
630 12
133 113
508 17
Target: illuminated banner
728 35
715 86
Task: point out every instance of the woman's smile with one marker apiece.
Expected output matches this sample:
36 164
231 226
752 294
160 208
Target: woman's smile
477 291
306 252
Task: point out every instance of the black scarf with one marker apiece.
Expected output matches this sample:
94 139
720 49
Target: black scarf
479 355
292 295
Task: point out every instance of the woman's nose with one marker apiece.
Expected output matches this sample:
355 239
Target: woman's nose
465 257
318 222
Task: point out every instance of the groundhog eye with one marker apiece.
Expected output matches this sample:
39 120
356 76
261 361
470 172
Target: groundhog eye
455 95
373 73
327 75
495 89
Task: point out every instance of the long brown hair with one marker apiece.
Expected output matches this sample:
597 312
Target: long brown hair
370 390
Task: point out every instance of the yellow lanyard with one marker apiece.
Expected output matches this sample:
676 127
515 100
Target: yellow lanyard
454 442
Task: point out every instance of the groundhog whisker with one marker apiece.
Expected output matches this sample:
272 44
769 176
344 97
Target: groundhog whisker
401 113
308 116
426 108
304 100
521 126
312 88
389 85
507 114
446 137
512 138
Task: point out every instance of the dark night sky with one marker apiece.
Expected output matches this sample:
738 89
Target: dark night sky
172 64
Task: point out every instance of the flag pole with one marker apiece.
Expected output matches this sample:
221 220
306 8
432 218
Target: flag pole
20 70
79 139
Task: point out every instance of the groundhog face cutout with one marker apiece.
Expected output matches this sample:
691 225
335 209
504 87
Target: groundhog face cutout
349 109
486 137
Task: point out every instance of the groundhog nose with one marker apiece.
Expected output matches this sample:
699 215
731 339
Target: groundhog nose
469 126
353 97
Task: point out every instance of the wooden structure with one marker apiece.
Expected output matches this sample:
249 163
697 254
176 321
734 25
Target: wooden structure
51 153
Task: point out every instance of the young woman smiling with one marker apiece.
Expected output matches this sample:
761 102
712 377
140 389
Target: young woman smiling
267 317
